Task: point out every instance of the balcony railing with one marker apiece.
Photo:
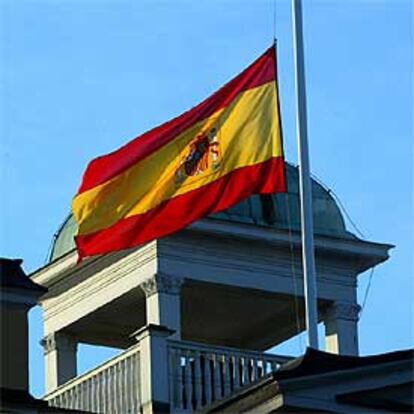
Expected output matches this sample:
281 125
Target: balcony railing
111 388
198 375
201 374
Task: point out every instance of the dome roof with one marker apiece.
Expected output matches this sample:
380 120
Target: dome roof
280 211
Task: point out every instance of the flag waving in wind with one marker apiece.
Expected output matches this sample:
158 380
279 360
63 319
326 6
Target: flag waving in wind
204 161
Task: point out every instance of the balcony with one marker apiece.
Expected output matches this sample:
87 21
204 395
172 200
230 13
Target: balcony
197 375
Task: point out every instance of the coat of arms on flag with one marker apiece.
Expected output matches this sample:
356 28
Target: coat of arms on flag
203 155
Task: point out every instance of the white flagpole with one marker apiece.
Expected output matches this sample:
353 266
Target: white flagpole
308 258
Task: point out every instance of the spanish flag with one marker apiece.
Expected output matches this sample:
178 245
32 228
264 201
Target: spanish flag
204 161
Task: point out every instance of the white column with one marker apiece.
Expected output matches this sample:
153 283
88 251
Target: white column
341 328
163 302
60 359
154 379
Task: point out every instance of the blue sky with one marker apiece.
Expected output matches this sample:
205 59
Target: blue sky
80 78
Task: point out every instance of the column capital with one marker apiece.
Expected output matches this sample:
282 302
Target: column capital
152 330
343 310
163 283
58 341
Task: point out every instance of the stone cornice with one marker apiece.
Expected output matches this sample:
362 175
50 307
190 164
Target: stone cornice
376 252
365 254
50 273
240 260
64 267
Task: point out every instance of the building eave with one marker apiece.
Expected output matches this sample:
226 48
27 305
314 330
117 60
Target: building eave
364 254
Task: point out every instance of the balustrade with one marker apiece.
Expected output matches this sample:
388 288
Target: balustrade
111 388
198 375
201 374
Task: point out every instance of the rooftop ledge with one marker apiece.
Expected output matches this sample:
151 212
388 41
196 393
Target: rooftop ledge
370 253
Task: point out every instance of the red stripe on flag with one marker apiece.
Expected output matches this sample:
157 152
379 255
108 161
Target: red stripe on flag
104 168
176 213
